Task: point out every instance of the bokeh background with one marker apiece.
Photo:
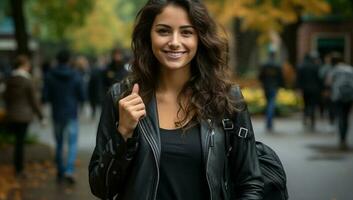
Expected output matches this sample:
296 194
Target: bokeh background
316 169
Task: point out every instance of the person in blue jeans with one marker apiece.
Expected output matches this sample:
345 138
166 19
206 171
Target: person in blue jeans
271 79
63 89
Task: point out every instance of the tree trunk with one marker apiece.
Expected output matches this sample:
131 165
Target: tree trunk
245 45
21 35
289 38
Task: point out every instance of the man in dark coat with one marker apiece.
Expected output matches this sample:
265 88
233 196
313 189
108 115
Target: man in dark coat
115 71
271 79
308 81
64 91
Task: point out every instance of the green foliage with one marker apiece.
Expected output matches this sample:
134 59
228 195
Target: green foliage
53 19
9 138
343 8
127 10
90 27
103 30
4 9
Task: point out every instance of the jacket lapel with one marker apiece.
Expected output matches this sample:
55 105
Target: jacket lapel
204 138
152 115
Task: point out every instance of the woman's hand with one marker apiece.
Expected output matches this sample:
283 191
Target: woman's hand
131 110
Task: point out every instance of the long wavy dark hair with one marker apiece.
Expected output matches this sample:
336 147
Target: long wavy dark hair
208 90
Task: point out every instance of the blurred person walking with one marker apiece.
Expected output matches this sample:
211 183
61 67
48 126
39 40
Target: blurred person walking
271 79
326 104
340 78
64 91
22 103
95 87
308 81
115 70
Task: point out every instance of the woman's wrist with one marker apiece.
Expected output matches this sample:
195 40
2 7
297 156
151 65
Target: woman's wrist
124 132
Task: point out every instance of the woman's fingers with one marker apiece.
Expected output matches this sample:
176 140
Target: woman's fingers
137 107
139 114
135 101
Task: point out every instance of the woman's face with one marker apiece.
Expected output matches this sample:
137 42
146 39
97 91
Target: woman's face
174 39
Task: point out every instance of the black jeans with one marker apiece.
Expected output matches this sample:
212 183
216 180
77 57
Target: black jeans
342 110
311 101
20 131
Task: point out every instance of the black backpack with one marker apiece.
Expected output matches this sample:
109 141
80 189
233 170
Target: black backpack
273 173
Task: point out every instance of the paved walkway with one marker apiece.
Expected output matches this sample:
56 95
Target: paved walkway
316 169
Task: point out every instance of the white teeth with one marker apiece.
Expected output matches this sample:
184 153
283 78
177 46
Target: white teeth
174 54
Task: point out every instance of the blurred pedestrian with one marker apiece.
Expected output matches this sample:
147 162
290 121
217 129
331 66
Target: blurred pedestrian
22 103
95 87
82 65
116 70
271 78
326 104
64 91
161 136
340 79
308 81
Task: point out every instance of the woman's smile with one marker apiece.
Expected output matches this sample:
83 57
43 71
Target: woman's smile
174 39
174 55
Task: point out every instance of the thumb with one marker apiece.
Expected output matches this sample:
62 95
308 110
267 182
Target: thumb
135 89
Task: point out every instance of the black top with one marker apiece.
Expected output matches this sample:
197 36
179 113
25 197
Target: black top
182 172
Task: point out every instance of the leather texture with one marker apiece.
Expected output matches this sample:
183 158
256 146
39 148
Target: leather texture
130 170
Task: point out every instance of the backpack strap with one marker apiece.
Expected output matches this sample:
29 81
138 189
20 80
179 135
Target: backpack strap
228 127
230 132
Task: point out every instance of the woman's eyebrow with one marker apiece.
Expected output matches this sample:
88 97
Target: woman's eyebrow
182 27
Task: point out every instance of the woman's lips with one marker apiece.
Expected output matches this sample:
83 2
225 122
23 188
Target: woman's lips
174 54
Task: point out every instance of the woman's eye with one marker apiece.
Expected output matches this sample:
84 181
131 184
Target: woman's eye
162 31
187 33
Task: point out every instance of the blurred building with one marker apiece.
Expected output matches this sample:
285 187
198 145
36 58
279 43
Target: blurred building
8 43
324 35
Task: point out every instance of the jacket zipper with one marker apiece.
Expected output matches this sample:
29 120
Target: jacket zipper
154 150
208 140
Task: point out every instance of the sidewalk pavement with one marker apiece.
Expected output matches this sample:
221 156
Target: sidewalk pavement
315 168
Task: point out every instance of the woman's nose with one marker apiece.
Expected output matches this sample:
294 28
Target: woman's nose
174 42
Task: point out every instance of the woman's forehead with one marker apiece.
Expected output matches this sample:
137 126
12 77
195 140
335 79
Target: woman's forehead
173 15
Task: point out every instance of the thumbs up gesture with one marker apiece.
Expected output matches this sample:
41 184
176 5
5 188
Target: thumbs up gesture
131 110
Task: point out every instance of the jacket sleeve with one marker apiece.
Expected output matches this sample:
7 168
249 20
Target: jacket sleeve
245 170
112 156
34 100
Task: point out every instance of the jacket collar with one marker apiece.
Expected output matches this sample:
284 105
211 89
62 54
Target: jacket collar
151 119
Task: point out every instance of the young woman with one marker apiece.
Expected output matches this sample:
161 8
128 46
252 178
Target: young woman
22 104
162 138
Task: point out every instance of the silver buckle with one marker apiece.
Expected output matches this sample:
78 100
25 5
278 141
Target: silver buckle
243 132
224 123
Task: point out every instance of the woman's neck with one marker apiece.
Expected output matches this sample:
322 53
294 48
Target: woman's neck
173 81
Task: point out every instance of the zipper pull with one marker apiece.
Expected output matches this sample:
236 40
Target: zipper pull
212 138
212 132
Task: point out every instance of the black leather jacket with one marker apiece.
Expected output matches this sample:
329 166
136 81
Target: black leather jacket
130 170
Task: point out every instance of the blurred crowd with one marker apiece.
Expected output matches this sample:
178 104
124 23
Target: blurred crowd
67 83
326 87
71 81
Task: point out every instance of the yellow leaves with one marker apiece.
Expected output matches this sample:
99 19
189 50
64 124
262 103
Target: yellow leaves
285 97
8 183
102 30
266 15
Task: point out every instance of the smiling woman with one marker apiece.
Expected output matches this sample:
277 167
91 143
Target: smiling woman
174 39
160 136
